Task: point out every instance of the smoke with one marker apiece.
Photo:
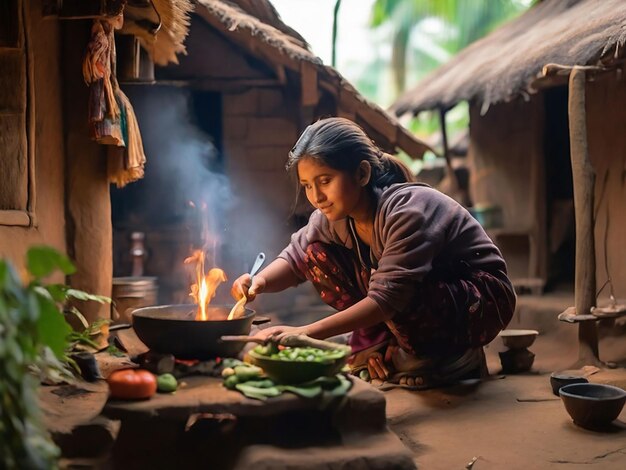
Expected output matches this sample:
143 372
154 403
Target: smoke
184 191
187 199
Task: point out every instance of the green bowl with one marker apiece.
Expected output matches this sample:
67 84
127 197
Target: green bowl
295 372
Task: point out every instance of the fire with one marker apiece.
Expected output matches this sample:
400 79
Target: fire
204 289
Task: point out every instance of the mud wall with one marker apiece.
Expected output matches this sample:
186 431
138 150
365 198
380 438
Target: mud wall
47 219
506 169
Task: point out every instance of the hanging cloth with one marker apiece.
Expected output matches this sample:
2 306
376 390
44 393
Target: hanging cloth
111 116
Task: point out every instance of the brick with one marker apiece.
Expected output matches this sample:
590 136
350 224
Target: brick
246 103
271 131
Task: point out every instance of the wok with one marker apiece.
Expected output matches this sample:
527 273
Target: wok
173 329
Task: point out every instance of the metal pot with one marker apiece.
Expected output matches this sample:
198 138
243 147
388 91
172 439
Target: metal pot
173 329
130 293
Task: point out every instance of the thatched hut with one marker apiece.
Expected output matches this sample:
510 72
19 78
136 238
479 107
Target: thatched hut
515 81
53 184
245 89
248 86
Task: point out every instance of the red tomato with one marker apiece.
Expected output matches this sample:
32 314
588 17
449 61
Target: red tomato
132 384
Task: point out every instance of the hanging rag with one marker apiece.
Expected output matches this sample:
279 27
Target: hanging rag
126 164
111 115
103 108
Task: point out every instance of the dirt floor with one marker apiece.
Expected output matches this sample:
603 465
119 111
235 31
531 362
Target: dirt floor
514 421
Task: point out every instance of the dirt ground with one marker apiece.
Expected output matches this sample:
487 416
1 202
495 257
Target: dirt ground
514 421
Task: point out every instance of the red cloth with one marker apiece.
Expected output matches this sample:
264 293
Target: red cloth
450 310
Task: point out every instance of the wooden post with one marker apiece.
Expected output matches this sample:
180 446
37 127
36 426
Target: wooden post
453 186
584 183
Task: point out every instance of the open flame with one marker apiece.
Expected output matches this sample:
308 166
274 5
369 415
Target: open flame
206 284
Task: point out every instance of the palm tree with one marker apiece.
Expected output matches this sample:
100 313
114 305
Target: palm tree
464 20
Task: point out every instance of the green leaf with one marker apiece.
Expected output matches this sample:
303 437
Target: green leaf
44 260
80 295
57 291
310 391
257 392
74 311
52 328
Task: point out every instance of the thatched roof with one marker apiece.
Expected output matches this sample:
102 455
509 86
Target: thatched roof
509 61
283 48
160 25
265 11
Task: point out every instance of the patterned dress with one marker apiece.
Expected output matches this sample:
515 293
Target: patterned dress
430 266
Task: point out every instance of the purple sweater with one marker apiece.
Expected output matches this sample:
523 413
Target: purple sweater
416 229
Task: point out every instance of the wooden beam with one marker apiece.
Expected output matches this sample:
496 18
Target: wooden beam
30 119
309 92
410 145
16 218
454 180
583 177
223 85
81 9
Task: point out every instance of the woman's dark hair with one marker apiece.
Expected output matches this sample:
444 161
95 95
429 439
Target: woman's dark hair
341 144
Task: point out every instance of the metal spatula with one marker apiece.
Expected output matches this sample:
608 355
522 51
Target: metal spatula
239 308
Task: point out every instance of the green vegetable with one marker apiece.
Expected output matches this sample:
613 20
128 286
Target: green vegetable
247 372
231 381
228 371
300 354
310 391
166 383
272 348
364 375
250 390
231 362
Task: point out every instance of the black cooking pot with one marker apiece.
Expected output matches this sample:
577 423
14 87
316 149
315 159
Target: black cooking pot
173 329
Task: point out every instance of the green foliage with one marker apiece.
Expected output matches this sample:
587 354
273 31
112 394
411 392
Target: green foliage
426 33
34 336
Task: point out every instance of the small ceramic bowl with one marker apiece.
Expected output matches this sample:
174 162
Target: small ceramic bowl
518 339
560 379
593 406
516 360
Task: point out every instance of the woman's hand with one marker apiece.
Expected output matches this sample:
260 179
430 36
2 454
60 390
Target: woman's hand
250 289
278 332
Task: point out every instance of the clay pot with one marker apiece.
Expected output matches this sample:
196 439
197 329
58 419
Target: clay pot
516 360
518 339
558 380
593 406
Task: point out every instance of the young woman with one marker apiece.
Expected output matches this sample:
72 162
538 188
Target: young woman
405 266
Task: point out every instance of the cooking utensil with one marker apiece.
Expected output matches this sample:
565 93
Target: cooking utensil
173 329
292 341
238 308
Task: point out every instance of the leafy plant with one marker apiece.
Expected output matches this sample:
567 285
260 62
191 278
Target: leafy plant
34 337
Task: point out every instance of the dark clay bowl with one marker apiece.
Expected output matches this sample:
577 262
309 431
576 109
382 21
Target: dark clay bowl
593 406
558 380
